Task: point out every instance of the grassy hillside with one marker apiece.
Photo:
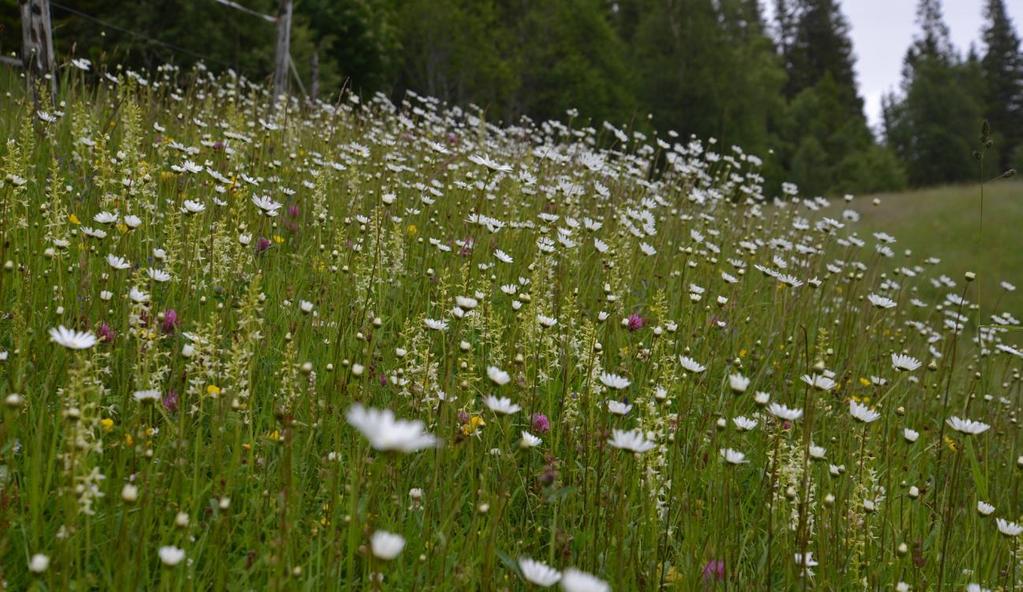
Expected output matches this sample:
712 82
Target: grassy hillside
945 222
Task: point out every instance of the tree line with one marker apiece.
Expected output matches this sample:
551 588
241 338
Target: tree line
784 89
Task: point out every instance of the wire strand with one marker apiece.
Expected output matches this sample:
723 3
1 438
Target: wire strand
144 37
236 6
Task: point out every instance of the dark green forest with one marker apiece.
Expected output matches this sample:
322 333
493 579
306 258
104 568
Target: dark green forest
784 90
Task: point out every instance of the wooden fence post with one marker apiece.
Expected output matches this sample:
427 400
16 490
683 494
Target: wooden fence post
282 56
314 73
37 43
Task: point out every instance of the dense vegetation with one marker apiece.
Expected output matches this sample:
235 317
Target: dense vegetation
784 90
616 362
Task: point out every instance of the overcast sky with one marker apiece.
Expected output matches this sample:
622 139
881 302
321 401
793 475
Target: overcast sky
883 29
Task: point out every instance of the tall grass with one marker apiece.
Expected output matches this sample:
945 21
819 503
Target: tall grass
267 277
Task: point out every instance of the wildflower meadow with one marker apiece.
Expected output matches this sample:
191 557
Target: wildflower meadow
250 344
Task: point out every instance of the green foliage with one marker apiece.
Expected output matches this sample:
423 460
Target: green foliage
703 68
1002 67
933 125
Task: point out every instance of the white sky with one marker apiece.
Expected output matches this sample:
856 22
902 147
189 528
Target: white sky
883 29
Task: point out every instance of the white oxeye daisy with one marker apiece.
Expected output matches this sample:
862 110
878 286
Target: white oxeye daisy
266 205
502 256
138 296
862 412
529 440
1009 529
633 441
72 339
817 452
819 382
192 207
386 545
132 221
158 275
171 555
904 362
118 262
614 381
498 376
967 426
305 306
538 573
738 383
691 365
733 457
910 435
146 395
618 408
105 218
761 398
466 302
545 321
984 508
881 301
38 563
782 412
573 580
384 432
502 405
436 325
744 424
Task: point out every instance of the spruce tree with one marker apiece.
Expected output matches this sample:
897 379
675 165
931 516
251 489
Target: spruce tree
1002 66
933 125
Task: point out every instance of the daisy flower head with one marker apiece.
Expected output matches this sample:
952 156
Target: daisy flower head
904 363
538 573
573 580
967 426
72 339
733 457
738 383
618 407
744 424
863 413
691 365
498 376
38 563
502 405
633 441
881 301
436 325
782 412
529 440
385 433
386 545
819 382
1009 529
171 555
614 381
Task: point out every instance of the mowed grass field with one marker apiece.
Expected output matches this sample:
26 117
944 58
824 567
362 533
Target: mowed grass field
945 222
